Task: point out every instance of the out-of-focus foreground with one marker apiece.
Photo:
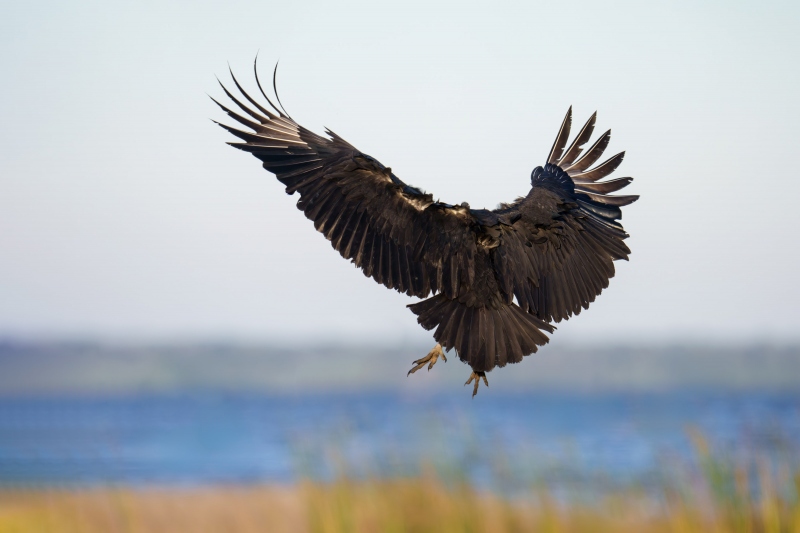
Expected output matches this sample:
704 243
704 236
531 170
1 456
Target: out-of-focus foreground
725 499
193 439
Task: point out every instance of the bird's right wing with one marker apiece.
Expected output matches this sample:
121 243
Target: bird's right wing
558 255
393 232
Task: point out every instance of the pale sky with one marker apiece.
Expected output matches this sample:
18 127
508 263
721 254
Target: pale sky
124 215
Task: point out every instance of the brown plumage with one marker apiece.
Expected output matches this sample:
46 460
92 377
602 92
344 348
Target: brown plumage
494 281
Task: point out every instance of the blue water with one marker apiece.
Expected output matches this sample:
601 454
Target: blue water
247 438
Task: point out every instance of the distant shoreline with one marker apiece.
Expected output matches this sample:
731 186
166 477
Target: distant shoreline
82 367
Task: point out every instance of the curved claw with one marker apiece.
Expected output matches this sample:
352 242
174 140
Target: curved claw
431 359
477 377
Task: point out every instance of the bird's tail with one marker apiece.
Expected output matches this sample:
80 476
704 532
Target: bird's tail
483 337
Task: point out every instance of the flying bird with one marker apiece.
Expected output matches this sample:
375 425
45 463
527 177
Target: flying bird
492 281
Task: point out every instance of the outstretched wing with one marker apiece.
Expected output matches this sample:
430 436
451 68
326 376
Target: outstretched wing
558 255
393 232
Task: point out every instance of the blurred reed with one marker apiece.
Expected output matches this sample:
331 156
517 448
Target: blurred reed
717 495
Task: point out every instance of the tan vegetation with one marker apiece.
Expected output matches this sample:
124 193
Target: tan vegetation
718 495
419 504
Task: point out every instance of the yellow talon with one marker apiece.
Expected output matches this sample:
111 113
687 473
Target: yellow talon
431 359
477 377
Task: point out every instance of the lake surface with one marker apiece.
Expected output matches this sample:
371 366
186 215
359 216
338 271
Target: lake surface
204 438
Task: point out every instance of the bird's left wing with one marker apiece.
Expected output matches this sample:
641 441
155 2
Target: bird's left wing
393 232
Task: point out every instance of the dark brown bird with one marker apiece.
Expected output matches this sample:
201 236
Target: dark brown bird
552 250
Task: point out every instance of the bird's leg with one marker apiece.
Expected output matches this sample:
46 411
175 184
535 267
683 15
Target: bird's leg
431 358
477 377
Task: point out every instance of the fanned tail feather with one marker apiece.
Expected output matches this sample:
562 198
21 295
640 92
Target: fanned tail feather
483 337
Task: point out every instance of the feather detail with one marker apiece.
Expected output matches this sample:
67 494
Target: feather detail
591 155
576 147
600 171
561 139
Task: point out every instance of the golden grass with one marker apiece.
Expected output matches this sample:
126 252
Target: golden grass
220 509
722 498
420 504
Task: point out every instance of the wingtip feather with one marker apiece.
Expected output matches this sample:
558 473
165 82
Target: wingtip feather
561 139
